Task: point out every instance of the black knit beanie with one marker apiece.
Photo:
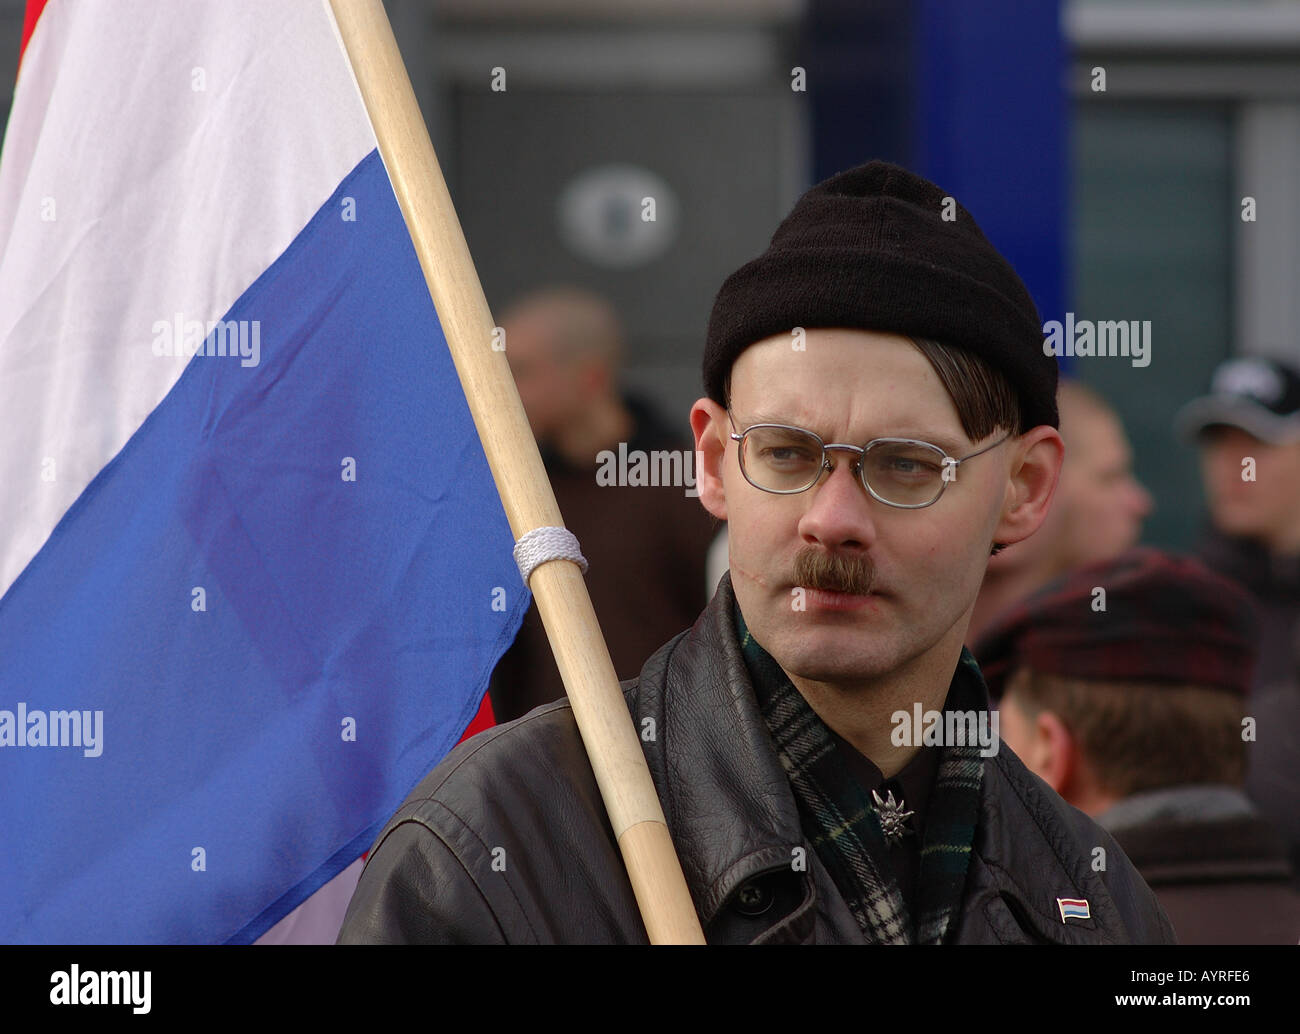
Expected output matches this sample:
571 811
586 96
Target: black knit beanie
870 249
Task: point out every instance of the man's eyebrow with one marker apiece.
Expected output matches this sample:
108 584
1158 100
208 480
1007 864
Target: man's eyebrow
952 446
768 418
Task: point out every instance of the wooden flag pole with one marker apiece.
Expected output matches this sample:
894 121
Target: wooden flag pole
598 705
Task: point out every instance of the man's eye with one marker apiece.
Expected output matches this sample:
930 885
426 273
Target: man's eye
787 455
909 466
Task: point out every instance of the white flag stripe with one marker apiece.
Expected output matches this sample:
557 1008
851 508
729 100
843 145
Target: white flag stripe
190 231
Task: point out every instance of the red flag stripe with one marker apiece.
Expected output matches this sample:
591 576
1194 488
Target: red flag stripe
485 719
34 9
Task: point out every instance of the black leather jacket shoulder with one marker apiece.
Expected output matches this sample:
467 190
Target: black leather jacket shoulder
507 839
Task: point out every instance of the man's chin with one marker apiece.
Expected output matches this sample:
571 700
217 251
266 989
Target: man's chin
845 673
1236 521
833 656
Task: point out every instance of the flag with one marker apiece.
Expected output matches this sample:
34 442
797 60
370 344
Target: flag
254 573
1073 908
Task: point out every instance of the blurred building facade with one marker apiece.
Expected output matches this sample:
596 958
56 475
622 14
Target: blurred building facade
1119 196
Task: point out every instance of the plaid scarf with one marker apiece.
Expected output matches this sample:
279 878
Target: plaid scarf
840 819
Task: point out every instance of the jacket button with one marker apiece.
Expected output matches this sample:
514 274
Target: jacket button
753 899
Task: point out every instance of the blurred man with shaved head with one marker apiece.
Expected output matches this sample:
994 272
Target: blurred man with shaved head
564 346
645 540
1096 514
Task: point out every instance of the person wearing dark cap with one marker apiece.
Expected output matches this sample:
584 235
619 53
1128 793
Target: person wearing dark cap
1248 433
1123 686
879 417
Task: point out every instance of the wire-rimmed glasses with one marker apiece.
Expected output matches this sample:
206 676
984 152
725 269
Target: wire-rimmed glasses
901 472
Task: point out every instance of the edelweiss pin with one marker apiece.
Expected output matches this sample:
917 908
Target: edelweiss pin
893 819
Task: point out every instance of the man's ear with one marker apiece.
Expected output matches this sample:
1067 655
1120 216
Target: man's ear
1031 485
594 377
1056 754
709 422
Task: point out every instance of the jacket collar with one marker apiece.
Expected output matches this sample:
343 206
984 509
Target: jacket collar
1190 803
1227 841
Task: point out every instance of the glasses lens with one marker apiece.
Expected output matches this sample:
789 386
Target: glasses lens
903 473
781 459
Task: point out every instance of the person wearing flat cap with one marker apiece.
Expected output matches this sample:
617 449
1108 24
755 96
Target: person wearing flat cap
1123 685
1247 431
878 418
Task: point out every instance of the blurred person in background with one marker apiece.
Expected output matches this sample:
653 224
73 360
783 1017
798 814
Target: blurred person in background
1096 514
1248 432
1123 686
645 543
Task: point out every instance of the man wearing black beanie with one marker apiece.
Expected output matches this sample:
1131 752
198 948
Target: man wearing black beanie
879 417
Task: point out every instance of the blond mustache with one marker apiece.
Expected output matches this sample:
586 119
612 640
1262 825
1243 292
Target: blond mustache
831 572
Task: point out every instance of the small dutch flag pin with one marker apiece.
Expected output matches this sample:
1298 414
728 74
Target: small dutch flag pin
1073 908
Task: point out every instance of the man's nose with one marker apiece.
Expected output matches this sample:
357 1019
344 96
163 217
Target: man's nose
1143 501
840 512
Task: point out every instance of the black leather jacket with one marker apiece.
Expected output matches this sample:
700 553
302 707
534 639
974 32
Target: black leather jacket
507 839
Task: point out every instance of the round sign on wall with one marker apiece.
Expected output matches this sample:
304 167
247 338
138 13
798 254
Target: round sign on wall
618 216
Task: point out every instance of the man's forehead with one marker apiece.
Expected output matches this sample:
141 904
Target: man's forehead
847 383
823 360
1089 430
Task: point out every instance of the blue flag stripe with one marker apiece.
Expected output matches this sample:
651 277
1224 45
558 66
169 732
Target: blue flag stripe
287 550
